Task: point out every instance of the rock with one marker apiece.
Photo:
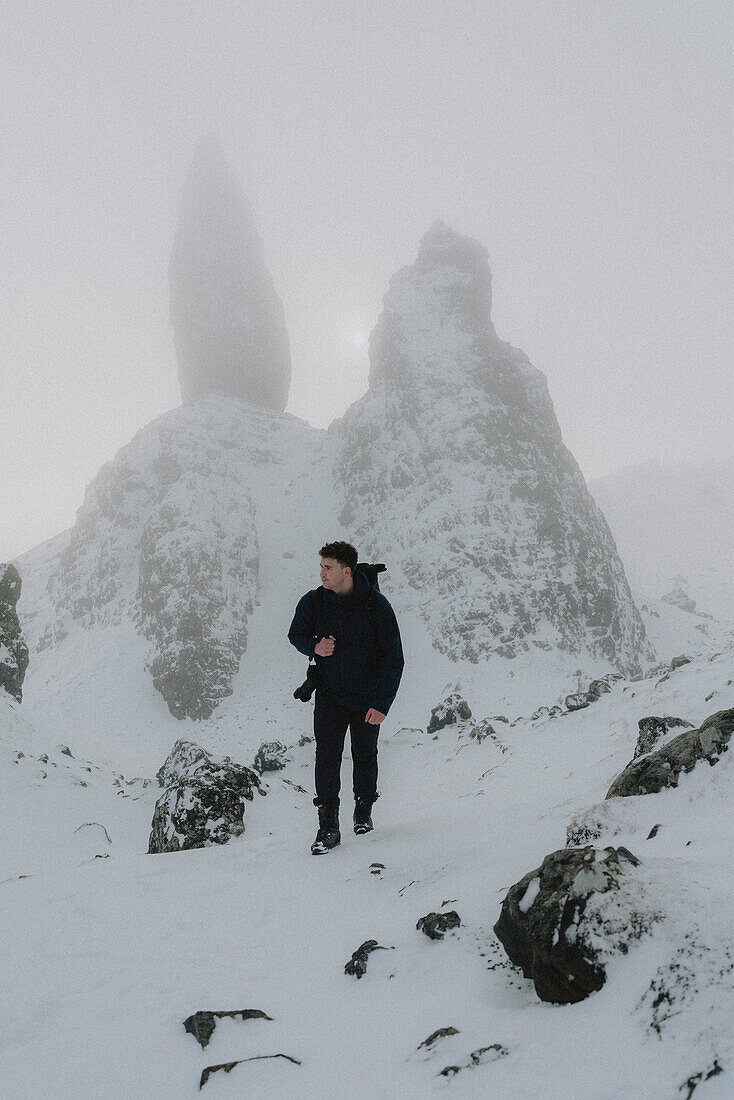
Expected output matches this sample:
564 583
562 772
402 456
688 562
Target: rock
478 1057
271 757
228 323
201 1025
485 729
678 597
187 760
579 700
598 687
203 802
65 751
357 965
440 1033
434 925
663 768
13 649
652 729
457 450
678 662
453 709
558 925
227 1067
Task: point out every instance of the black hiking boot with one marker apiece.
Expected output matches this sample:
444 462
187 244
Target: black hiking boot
328 835
363 815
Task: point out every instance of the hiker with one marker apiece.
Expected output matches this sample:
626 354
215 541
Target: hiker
350 630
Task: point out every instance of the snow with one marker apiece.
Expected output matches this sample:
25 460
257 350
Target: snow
112 954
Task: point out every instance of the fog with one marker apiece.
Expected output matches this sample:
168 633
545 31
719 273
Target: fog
587 145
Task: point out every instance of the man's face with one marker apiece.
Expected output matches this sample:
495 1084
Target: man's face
334 576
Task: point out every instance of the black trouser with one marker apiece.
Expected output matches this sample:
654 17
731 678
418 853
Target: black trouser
330 721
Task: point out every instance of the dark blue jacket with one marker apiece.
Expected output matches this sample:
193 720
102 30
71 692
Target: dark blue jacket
365 668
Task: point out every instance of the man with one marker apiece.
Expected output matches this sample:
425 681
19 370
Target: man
350 629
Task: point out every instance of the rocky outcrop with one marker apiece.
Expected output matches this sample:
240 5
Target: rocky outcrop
272 756
202 1024
562 922
663 768
450 711
357 965
167 538
228 323
435 925
457 449
13 649
203 802
652 729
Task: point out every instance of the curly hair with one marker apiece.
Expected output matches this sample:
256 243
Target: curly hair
343 552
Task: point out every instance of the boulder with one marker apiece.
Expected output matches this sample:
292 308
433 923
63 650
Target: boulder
357 965
556 923
187 760
435 925
652 729
13 650
453 709
203 802
271 757
648 774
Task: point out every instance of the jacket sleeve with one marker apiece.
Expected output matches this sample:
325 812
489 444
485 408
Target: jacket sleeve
390 657
301 634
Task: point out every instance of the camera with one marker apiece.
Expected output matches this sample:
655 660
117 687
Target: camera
309 685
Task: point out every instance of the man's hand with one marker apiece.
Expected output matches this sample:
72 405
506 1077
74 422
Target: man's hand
325 647
374 717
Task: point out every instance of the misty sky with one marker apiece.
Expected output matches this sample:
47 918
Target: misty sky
586 144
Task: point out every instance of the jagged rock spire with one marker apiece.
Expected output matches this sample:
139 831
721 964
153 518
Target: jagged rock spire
228 322
454 459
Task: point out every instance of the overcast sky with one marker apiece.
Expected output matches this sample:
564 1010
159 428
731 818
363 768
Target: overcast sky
586 144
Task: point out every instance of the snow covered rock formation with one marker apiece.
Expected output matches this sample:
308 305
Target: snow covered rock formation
166 539
228 323
663 768
454 459
563 921
13 650
203 802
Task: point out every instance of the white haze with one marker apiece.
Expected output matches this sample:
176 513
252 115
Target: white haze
586 144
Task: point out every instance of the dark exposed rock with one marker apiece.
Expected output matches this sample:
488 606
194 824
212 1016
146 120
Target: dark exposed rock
478 1057
227 1067
201 1025
434 925
449 712
357 965
203 802
187 760
663 768
652 729
550 924
579 700
678 662
599 687
440 1033
271 757
13 649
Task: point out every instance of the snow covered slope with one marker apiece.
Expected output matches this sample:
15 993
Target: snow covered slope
107 950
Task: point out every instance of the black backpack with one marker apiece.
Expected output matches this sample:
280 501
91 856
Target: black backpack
370 573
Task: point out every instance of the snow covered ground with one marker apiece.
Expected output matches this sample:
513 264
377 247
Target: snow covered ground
107 950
